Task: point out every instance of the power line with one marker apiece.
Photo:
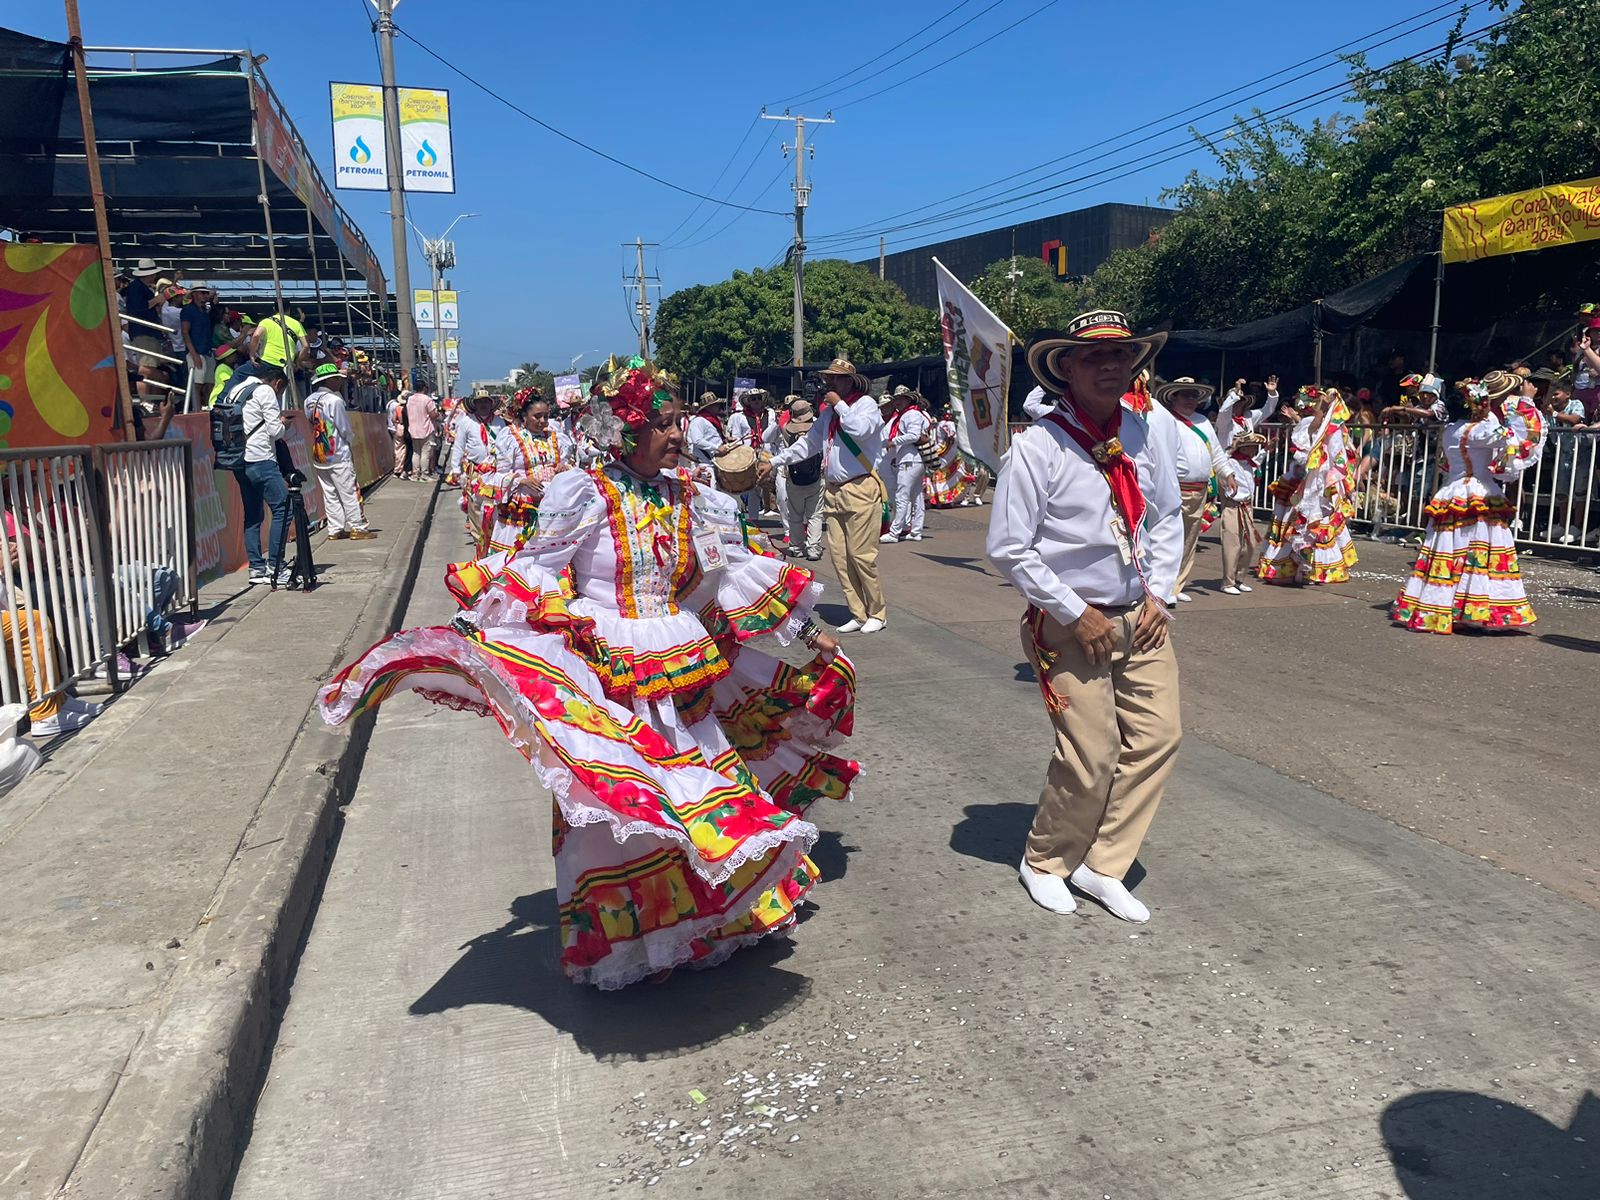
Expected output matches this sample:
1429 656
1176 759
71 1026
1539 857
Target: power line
737 184
1124 169
871 62
735 218
754 121
581 144
1012 194
959 54
878 226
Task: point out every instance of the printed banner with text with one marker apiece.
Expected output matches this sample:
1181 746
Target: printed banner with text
977 355
425 140
1558 215
569 390
360 154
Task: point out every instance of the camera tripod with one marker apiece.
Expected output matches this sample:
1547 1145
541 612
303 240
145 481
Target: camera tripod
303 571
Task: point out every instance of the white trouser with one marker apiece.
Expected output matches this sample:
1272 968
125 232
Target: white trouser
910 504
340 496
802 516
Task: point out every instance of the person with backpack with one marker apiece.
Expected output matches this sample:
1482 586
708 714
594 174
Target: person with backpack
331 458
802 486
246 426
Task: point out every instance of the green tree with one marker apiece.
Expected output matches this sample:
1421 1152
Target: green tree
747 320
1033 300
531 374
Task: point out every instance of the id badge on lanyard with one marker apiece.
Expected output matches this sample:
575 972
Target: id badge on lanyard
708 549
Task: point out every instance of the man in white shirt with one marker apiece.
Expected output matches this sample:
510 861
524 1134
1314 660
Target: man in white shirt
1238 432
907 426
1088 526
1197 450
331 455
849 436
703 436
261 483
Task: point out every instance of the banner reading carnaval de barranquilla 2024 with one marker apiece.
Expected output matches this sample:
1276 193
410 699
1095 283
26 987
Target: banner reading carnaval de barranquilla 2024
360 150
977 356
1557 215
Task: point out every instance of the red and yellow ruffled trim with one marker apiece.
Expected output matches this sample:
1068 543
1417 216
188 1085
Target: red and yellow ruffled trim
1469 610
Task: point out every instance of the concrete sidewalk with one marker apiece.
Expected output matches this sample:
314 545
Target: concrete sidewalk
159 872
1325 1004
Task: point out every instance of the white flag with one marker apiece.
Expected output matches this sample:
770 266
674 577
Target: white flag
977 357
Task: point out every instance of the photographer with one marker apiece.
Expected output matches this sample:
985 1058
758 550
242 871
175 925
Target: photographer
261 480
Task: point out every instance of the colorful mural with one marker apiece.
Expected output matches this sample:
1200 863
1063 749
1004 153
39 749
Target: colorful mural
58 385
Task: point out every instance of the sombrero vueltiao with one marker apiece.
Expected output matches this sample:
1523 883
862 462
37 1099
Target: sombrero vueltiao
1165 391
1047 348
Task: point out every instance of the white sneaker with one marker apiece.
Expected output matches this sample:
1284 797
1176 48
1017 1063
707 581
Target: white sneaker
850 626
913 537
81 706
1184 597
978 503
1230 590
285 575
1245 587
1119 901
889 537
1048 891
261 576
873 625
65 721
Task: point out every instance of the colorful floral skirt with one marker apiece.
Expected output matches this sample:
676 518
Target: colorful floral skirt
1466 572
678 828
950 479
1300 549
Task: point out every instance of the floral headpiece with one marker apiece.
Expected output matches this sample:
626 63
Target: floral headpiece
626 402
1307 397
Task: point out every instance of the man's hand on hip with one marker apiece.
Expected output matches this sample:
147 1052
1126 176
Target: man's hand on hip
1095 635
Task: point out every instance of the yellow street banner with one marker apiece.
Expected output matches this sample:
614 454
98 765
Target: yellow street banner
360 161
1557 215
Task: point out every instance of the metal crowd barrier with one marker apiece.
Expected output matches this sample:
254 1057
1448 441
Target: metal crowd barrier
94 541
1398 471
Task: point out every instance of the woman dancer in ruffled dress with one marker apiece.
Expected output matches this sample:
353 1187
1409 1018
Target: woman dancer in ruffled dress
529 452
1309 539
680 758
951 479
1467 572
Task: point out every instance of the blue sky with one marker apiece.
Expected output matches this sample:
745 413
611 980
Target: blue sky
672 87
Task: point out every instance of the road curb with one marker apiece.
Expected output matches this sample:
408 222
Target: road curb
172 1126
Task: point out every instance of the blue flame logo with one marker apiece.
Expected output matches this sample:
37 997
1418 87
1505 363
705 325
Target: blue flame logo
426 156
360 152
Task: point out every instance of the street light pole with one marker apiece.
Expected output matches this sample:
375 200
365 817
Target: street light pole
397 195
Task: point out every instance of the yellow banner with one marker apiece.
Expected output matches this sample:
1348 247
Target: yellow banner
357 100
1537 219
424 104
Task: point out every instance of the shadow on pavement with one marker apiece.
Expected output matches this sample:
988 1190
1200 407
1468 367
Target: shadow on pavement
994 833
518 965
952 560
1468 1146
1586 645
832 856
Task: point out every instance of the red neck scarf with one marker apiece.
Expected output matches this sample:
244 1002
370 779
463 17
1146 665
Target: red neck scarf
1104 447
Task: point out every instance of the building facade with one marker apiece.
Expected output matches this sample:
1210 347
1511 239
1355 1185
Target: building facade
1074 243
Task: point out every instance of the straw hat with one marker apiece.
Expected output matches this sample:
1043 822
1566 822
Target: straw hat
1497 385
707 399
146 268
1165 393
1047 349
843 368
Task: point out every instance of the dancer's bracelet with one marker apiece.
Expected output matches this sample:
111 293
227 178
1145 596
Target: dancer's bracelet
809 633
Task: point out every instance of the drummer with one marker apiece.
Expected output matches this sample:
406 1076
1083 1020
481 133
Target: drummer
704 436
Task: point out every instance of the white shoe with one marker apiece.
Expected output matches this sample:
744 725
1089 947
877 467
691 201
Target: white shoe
64 721
261 576
850 626
1245 587
978 503
1118 900
888 537
913 537
873 625
1048 891
1184 597
73 704
1230 590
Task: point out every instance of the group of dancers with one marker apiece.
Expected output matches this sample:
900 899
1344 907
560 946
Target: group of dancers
611 616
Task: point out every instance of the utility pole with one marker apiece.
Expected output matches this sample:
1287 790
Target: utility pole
397 194
802 197
643 283
882 246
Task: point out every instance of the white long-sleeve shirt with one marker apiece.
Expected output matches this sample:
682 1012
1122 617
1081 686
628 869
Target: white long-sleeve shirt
1051 534
859 418
331 406
511 459
1232 421
1038 403
262 416
903 434
1199 455
474 442
702 439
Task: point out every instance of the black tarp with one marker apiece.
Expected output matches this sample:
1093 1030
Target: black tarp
182 183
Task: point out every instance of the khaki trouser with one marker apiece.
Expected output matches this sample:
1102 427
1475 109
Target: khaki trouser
1194 507
1240 540
854 514
1116 743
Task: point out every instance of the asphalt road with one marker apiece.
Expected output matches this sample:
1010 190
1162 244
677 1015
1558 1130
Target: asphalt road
1325 1003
